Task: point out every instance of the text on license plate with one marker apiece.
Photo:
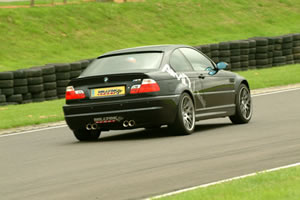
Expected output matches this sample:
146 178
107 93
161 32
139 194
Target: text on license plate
109 91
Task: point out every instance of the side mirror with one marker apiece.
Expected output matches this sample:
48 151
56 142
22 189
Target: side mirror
211 71
222 65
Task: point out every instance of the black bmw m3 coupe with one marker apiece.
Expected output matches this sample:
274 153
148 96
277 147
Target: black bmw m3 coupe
151 86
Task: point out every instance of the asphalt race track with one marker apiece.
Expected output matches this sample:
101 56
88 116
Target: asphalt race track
136 164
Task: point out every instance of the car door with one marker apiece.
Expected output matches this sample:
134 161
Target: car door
186 73
217 91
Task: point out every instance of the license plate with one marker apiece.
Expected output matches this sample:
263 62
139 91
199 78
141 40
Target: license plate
109 91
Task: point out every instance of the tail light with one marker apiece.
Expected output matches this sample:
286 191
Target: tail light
148 85
71 93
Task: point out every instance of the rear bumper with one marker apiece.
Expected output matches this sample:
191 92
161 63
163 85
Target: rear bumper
146 112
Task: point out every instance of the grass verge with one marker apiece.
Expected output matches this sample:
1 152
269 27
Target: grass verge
51 111
40 35
278 185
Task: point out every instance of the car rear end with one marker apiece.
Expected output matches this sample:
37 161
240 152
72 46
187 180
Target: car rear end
120 92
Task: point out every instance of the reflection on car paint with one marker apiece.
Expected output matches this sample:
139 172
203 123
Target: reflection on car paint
179 76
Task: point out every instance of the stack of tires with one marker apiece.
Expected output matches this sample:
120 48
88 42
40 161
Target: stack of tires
251 55
49 78
235 55
287 49
214 52
62 78
21 87
244 53
296 48
224 54
6 86
84 64
75 69
261 53
35 84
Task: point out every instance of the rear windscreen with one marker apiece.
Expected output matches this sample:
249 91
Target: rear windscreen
125 63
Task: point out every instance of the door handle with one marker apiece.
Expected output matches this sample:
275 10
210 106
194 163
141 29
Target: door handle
201 76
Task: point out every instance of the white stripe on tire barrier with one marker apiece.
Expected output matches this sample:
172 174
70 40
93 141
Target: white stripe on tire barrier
222 181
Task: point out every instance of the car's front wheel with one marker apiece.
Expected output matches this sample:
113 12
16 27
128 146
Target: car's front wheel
85 135
243 102
185 120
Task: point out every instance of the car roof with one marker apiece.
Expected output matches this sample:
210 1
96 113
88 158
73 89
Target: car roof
153 48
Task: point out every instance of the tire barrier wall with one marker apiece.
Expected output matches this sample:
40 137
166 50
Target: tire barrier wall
49 82
256 52
37 84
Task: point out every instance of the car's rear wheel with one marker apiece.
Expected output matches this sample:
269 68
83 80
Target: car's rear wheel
243 112
85 135
185 120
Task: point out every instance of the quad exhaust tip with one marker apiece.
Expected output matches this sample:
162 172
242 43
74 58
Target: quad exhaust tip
90 126
130 123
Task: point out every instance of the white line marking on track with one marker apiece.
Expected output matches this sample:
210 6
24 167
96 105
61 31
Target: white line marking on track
222 181
275 92
42 129
34 130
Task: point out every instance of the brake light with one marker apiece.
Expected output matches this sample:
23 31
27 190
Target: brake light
148 85
71 93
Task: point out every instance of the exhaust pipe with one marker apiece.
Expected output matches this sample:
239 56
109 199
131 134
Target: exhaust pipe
88 127
94 126
125 123
131 123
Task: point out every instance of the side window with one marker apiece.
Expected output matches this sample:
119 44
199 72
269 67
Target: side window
179 62
198 61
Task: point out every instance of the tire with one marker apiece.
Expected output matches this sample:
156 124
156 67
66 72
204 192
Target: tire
214 47
20 74
235 52
185 120
63 76
214 53
2 98
49 78
234 59
62 83
85 135
243 102
62 67
234 45
75 74
75 66
35 80
39 95
6 83
245 51
244 57
296 50
244 44
50 93
36 88
7 91
34 72
224 53
262 49
50 86
6 75
48 69
15 98
21 90
20 82
224 45
27 97
84 64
